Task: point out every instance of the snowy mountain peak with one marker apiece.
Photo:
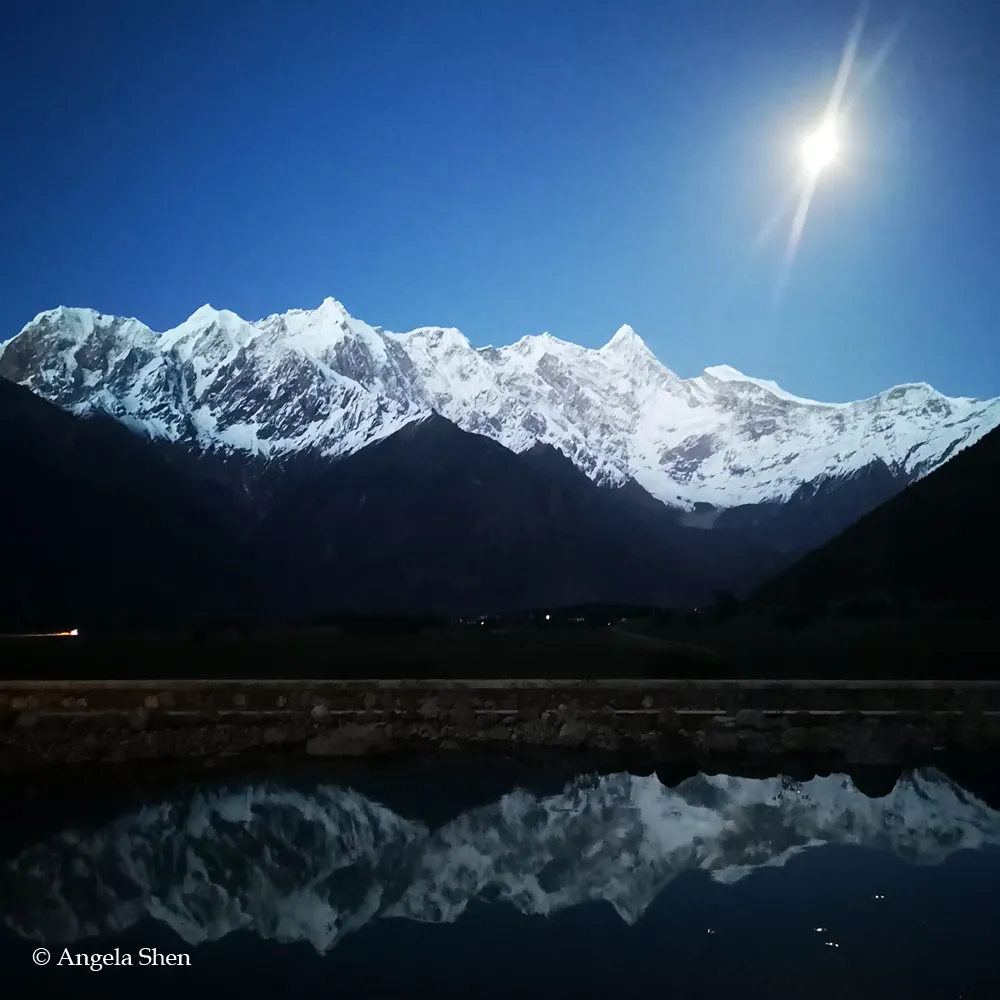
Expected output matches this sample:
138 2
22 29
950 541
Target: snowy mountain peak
726 373
204 318
325 381
446 337
537 344
332 307
204 314
70 319
624 339
623 334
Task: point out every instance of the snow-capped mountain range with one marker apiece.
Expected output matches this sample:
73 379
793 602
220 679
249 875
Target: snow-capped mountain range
292 865
323 381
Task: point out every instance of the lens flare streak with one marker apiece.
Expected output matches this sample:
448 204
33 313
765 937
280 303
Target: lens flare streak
827 126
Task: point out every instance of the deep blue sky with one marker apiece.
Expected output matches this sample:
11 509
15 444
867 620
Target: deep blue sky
514 166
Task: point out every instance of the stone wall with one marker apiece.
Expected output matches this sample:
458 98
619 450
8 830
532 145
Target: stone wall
658 721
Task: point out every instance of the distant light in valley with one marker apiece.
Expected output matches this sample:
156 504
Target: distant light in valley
43 635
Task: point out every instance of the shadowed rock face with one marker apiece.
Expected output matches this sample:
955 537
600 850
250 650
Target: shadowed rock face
292 865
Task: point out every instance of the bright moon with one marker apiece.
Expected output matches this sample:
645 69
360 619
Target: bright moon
820 148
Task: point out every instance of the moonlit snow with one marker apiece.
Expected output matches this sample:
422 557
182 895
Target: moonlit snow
322 380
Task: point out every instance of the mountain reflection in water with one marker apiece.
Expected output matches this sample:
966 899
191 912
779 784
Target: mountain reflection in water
317 865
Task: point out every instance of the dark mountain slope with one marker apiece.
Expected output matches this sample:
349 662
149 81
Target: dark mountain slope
937 541
103 526
817 511
435 519
98 528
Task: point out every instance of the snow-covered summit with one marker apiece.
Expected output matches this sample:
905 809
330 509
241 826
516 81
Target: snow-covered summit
726 373
323 380
624 339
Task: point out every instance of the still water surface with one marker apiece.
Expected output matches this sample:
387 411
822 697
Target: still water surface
488 885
